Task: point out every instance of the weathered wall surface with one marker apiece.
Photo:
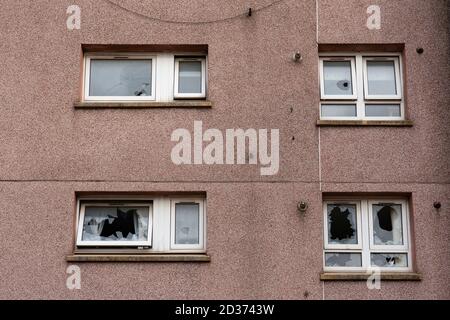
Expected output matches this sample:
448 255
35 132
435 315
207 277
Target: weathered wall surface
260 247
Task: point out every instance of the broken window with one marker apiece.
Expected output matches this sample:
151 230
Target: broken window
143 77
342 224
365 233
387 224
342 259
141 224
105 225
337 78
389 259
361 86
119 78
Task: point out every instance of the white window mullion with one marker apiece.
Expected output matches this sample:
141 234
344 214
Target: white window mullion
164 76
360 107
365 236
161 224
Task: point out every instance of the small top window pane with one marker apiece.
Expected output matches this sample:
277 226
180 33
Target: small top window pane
342 224
387 224
381 78
115 224
190 77
187 218
120 77
337 78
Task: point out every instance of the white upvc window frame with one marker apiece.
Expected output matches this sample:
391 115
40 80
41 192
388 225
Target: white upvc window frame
201 227
202 94
85 243
119 57
366 227
398 82
325 96
360 100
161 235
334 246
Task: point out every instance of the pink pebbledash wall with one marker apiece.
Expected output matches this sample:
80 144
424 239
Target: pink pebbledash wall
260 247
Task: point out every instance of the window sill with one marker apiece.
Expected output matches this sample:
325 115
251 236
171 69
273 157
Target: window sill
379 123
138 258
352 276
147 104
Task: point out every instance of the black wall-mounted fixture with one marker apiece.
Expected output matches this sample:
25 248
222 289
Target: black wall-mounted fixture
297 56
302 206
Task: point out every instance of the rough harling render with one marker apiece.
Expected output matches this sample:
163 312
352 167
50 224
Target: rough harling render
261 242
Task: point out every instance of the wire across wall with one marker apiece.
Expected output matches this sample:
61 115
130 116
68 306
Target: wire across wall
246 12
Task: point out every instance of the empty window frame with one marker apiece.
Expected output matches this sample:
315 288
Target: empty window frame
190 77
120 78
362 234
361 86
157 224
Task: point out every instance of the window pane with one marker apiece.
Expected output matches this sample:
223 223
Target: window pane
115 223
389 259
190 77
337 78
338 110
381 78
187 217
342 259
387 224
120 78
342 224
382 110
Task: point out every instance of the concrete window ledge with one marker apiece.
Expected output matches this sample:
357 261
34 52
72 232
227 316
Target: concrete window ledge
355 276
138 258
141 105
361 123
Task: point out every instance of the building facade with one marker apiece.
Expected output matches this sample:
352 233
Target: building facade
125 175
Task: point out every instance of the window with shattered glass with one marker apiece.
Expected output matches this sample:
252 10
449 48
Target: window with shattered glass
366 233
106 225
387 224
119 77
141 224
361 86
342 224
